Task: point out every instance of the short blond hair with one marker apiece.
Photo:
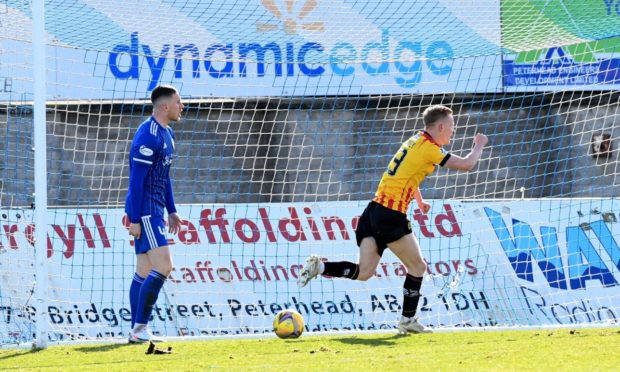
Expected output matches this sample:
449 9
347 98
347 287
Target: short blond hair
435 113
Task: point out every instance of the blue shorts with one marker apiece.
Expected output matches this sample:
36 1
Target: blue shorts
153 234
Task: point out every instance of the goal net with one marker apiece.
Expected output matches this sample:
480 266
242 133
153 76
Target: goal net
293 112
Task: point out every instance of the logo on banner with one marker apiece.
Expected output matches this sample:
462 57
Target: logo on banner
403 61
291 22
558 67
579 263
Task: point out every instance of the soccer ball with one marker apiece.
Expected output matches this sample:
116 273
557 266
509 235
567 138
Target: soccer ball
288 324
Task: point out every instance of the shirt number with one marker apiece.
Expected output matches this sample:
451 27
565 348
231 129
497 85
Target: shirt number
396 161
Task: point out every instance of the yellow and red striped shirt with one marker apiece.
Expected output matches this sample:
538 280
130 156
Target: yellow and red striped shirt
415 160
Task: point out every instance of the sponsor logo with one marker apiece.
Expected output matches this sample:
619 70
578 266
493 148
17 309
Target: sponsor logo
145 151
580 263
167 160
558 67
403 60
290 20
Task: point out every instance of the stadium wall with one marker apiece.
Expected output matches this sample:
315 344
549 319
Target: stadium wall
281 150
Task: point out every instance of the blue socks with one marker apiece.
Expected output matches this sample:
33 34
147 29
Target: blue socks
148 296
134 293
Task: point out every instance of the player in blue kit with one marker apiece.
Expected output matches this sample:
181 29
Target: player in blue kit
150 191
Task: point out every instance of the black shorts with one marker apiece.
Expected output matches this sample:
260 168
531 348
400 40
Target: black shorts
384 224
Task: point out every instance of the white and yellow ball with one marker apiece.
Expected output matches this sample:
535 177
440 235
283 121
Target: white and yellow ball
288 324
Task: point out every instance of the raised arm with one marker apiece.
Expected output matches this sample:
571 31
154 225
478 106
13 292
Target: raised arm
468 162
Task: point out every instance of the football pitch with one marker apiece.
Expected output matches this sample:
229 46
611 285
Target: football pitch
550 350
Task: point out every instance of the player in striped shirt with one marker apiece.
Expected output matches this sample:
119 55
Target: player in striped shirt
150 191
384 222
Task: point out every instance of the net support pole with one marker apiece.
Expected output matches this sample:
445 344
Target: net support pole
40 173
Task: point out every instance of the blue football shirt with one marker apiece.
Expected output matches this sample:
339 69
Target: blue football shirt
150 156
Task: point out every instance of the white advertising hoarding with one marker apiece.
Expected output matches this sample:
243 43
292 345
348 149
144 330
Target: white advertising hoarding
235 266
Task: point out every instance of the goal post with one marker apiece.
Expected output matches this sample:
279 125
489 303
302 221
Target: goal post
293 111
40 286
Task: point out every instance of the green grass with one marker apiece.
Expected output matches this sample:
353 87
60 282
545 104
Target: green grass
549 350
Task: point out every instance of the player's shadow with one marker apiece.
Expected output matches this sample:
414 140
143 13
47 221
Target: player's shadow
385 341
102 348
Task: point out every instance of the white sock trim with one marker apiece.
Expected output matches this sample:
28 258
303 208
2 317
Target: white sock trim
321 267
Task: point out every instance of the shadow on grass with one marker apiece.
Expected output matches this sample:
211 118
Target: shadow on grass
388 340
106 347
19 354
83 349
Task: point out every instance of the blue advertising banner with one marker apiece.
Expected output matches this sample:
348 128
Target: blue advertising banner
562 71
257 48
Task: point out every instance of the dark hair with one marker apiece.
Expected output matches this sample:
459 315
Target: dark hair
165 91
435 113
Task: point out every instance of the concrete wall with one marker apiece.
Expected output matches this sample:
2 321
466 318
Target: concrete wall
320 149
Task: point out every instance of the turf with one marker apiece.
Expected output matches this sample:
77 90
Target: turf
549 350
